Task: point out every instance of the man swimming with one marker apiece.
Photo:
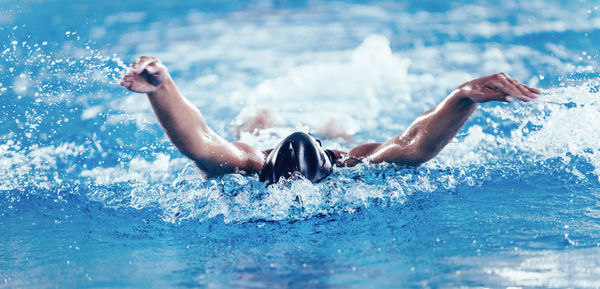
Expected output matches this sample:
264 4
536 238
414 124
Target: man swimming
300 152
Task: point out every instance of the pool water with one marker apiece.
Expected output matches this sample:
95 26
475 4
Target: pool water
93 195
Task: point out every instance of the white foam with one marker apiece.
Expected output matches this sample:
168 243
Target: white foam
34 166
558 125
310 71
137 170
322 91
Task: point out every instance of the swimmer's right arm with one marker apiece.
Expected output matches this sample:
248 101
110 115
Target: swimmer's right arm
185 125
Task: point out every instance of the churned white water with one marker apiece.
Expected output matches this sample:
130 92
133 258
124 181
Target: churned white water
512 201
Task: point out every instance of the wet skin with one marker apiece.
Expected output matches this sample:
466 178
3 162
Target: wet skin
421 141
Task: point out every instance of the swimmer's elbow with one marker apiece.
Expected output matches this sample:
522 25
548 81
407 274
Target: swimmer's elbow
193 154
423 154
420 159
413 160
241 158
206 172
410 158
416 156
212 170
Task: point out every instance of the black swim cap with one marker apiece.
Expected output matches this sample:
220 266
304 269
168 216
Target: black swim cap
299 152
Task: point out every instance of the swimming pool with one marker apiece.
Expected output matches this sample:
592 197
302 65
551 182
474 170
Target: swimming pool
92 194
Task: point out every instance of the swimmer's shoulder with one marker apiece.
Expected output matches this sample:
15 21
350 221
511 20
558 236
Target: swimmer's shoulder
337 156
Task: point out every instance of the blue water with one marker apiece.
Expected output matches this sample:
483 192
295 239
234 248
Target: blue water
92 194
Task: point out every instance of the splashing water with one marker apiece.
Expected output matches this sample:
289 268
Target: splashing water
536 133
90 187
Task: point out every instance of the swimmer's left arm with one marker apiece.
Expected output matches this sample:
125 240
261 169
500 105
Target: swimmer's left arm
434 129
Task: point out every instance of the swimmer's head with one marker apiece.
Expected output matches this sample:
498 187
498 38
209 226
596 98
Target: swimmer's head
299 152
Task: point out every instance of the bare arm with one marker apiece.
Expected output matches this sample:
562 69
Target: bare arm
185 125
434 129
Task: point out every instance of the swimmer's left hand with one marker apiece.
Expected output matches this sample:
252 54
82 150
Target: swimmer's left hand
496 87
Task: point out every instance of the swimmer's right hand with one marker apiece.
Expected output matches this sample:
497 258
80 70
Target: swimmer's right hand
144 75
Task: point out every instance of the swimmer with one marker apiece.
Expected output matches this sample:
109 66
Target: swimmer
300 152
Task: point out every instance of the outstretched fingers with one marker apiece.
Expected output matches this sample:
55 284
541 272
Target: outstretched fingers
498 87
524 90
532 89
529 91
510 91
516 89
